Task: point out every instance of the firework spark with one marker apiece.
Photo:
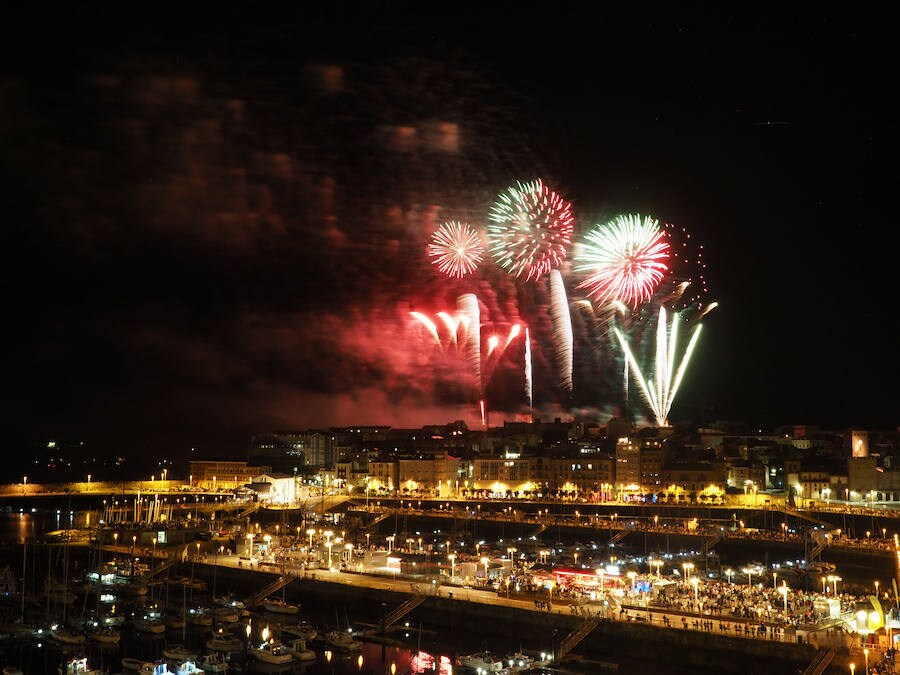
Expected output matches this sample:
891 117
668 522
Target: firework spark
513 333
687 270
530 229
456 249
429 325
661 394
625 259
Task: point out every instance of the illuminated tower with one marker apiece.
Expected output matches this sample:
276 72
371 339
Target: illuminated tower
859 441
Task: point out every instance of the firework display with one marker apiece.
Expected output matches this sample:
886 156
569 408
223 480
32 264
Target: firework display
530 229
625 260
640 281
455 249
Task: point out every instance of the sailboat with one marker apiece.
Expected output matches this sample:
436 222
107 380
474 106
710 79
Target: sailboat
280 606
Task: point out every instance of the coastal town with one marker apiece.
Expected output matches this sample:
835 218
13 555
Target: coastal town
698 557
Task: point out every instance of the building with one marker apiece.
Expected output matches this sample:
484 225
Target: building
500 476
222 474
274 488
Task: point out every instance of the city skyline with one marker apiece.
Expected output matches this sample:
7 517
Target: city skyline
220 223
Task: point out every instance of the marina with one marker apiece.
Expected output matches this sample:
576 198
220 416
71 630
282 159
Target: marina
179 619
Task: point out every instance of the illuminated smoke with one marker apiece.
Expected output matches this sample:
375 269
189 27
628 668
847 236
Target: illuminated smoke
562 329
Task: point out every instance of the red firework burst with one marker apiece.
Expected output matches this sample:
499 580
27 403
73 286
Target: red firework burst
530 229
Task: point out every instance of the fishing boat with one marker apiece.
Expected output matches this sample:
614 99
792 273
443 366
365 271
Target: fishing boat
272 652
342 641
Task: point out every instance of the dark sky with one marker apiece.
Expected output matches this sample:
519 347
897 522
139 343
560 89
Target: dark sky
215 222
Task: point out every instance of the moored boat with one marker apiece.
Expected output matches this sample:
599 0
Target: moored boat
224 642
298 649
103 634
199 616
481 661
214 662
280 607
67 635
272 652
78 666
342 641
180 653
304 629
146 624
131 663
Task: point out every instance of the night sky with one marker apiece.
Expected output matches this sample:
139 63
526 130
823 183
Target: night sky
215 222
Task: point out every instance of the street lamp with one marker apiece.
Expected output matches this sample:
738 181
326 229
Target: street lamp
485 561
877 583
632 575
311 531
24 483
153 563
749 572
784 591
729 573
866 654
329 544
452 558
250 554
775 580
